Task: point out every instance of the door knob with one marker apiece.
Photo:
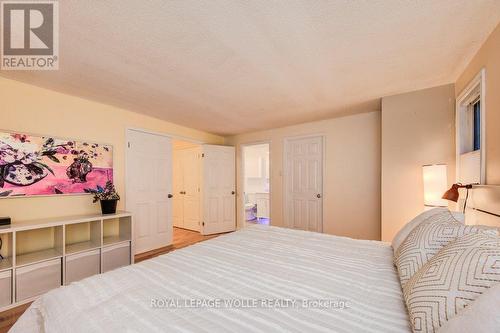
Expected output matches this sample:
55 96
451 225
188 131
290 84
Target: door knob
170 196
318 195
232 192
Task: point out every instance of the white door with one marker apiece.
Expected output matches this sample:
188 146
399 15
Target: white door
304 183
191 202
218 189
178 188
148 189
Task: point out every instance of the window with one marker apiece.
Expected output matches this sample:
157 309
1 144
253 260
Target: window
470 132
477 124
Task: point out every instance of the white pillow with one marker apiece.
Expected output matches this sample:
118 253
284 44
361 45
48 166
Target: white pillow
452 280
479 317
425 240
408 227
459 216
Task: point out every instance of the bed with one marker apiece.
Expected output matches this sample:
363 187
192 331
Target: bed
259 279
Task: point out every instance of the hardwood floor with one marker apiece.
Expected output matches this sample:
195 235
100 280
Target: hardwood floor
181 238
9 317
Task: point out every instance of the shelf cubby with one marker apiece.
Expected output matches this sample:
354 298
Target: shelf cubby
6 250
83 236
37 245
116 230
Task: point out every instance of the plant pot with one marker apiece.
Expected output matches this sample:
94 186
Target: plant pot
108 206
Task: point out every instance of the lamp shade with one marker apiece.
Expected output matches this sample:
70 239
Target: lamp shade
435 184
452 194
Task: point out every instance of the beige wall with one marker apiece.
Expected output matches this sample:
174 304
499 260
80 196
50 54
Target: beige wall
488 57
30 109
418 128
351 205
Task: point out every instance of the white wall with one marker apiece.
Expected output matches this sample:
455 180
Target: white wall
351 205
418 128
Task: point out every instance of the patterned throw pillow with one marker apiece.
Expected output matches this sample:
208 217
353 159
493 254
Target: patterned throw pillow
416 221
426 240
452 280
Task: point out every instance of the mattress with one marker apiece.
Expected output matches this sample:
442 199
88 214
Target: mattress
259 279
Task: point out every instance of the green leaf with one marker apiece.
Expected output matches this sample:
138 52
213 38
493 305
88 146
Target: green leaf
53 158
45 166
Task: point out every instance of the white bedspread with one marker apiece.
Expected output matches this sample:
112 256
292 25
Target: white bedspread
261 265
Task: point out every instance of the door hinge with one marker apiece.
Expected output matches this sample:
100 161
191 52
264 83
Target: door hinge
129 144
203 223
203 155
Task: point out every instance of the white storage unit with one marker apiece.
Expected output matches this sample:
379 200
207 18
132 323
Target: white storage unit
6 269
6 287
262 201
36 279
45 254
115 256
82 265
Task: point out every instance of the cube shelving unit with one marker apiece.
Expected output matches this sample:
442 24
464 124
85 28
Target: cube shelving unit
41 255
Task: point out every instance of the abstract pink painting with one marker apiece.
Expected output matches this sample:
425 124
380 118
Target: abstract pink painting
43 165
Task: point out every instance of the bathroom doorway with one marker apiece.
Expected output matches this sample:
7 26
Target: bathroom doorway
256 183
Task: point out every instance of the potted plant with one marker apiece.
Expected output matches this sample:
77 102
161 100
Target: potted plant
107 196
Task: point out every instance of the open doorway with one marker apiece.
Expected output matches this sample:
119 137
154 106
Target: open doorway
179 191
256 186
186 184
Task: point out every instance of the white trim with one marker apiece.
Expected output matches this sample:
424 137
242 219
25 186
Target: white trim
285 172
463 99
241 201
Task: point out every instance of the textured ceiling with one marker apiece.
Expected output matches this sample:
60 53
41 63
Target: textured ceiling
235 66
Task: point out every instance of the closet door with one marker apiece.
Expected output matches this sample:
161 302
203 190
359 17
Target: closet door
191 200
178 188
218 189
148 190
303 178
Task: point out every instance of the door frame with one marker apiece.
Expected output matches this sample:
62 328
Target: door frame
241 178
286 142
